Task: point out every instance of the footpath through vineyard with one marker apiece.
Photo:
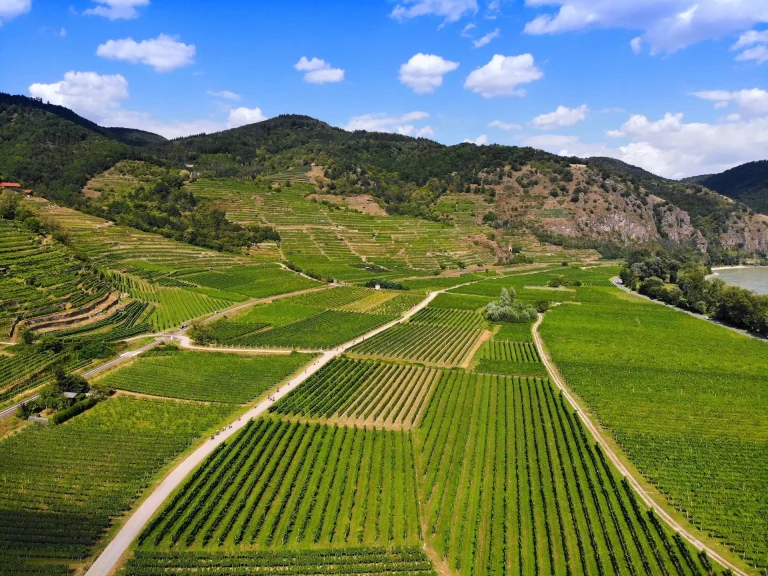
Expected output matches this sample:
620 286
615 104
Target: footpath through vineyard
618 463
106 562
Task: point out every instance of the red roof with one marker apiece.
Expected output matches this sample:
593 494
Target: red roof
27 191
10 184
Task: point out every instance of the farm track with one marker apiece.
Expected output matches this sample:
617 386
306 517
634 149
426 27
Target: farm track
617 462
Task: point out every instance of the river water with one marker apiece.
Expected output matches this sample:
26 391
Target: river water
755 278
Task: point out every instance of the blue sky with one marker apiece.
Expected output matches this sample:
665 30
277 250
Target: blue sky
676 86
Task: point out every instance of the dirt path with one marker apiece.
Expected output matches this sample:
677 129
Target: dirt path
480 341
617 462
120 544
186 343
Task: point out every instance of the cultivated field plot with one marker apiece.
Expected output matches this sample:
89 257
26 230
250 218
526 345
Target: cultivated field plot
285 484
252 281
511 484
509 357
63 485
321 331
447 317
363 393
460 301
686 400
40 279
394 561
207 376
435 345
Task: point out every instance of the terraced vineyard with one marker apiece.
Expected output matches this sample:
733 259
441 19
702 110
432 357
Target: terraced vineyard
41 280
363 393
512 484
394 561
252 281
280 485
209 376
435 345
63 485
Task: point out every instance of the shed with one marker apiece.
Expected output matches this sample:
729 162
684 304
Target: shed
70 395
28 192
10 185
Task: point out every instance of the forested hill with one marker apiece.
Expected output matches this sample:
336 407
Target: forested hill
56 152
747 183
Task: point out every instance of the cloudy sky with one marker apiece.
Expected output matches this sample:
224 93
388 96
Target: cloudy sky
679 87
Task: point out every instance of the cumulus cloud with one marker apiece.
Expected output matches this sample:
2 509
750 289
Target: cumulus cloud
9 9
117 9
225 94
100 98
318 71
424 72
480 42
561 117
752 101
242 116
754 46
666 25
450 10
502 76
504 125
481 140
164 53
385 123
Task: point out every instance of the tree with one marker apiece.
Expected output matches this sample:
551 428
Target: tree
8 204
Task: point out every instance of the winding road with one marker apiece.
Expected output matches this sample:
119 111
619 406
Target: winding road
617 462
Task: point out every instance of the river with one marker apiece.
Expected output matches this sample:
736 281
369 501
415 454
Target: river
752 278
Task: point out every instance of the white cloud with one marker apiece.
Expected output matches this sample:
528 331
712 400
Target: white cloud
733 118
487 38
318 71
465 33
164 53
411 130
117 9
100 98
666 25
9 9
636 44
502 76
481 140
242 116
561 117
758 43
226 94
87 93
753 101
451 10
384 123
425 132
759 54
504 125
424 72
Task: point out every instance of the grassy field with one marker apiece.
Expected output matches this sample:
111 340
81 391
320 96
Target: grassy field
511 484
687 400
363 393
62 486
207 376
290 485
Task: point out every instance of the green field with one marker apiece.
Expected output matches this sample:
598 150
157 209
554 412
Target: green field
207 376
687 400
363 393
252 281
290 485
509 357
511 484
62 486
394 561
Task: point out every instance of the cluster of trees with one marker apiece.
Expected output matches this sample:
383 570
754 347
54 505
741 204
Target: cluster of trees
684 284
385 284
507 310
52 397
12 209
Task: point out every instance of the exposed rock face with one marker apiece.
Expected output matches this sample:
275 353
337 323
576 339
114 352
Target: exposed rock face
676 225
747 233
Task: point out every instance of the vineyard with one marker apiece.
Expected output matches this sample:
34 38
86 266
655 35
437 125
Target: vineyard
435 345
394 561
41 278
645 369
78 476
448 317
512 484
509 357
295 485
251 281
363 393
209 376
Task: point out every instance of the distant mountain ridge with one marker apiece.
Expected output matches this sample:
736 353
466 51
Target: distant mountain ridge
582 202
747 183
